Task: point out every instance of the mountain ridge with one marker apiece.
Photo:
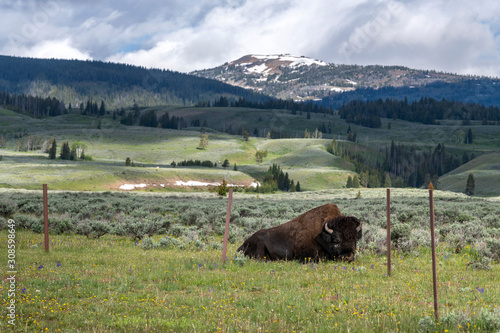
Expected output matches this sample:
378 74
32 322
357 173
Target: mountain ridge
302 78
119 85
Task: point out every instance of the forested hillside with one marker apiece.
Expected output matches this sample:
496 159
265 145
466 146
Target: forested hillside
426 111
74 81
480 91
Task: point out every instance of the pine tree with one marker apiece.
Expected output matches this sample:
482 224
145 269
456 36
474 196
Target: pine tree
235 167
128 162
470 187
72 155
364 179
226 163
355 181
374 180
65 151
53 150
102 109
3 142
349 182
203 141
286 183
468 137
246 135
297 187
387 180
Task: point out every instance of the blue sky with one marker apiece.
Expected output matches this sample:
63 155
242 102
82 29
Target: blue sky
446 35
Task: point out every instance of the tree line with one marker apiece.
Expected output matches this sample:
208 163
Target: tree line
91 108
271 104
483 91
426 110
399 165
199 163
150 119
33 106
74 152
275 179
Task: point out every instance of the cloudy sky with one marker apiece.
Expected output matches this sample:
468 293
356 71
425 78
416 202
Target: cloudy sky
455 36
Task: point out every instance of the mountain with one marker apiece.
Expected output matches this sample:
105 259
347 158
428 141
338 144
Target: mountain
302 78
119 85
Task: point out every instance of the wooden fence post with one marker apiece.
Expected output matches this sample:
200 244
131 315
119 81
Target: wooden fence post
433 246
46 217
226 230
388 232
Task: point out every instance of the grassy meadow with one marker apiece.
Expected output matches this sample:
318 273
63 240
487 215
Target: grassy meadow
153 150
120 280
114 285
149 260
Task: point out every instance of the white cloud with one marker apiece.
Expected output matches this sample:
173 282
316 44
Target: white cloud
448 35
58 49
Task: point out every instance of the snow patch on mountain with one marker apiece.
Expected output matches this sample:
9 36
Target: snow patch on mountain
270 64
294 61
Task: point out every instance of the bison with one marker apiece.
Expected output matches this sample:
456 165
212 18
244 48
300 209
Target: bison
321 233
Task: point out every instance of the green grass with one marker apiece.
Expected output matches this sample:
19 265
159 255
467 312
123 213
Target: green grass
305 159
28 171
153 148
113 285
486 171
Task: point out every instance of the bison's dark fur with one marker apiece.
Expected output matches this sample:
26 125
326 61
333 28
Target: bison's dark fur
305 237
339 236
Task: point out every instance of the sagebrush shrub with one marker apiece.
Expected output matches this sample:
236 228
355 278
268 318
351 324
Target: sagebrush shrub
84 228
100 228
24 221
489 248
37 225
7 207
178 230
61 224
427 324
490 321
167 242
400 232
191 215
33 207
3 223
148 243
454 319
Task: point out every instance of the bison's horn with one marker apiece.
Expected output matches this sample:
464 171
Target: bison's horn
360 227
328 230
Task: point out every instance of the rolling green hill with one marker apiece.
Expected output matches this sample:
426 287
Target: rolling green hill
154 149
486 172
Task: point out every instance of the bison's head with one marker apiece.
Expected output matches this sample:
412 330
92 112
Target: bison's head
340 235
